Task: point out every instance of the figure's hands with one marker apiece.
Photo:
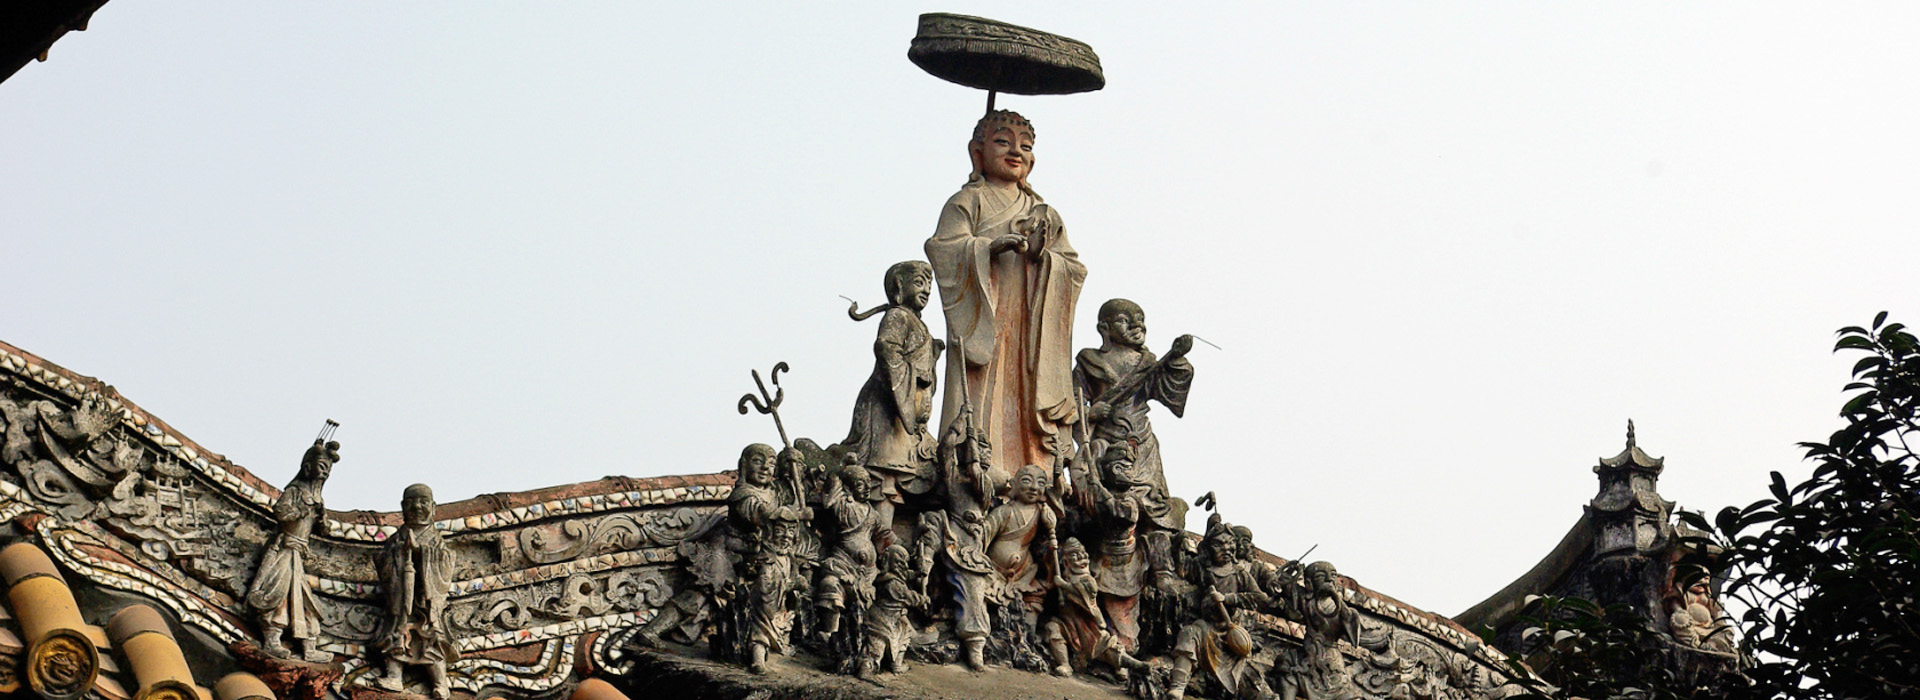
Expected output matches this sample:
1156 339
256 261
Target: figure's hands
1181 346
1011 241
1099 411
297 544
939 346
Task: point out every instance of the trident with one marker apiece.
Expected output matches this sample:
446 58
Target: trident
769 404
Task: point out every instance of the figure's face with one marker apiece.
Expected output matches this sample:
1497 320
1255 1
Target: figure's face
322 469
860 487
1006 156
1030 486
1323 580
418 511
1125 329
758 469
916 292
1220 552
1077 561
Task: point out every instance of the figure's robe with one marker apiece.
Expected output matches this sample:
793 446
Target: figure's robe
418 571
890 417
1126 382
1009 321
280 591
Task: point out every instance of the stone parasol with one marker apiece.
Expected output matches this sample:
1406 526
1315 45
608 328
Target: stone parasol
1000 57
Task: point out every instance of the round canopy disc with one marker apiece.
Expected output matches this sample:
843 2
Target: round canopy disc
982 53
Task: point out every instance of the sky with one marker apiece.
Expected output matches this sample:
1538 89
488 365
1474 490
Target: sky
1447 250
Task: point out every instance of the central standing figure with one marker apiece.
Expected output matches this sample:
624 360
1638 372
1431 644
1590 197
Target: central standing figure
1008 283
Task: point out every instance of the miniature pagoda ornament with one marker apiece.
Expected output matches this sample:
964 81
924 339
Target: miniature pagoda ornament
1008 278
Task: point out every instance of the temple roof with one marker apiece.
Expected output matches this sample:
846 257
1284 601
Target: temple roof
28 28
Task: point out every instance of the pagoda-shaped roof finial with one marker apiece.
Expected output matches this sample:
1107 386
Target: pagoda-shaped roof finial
1630 443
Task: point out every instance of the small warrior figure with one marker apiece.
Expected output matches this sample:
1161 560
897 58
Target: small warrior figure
847 572
888 629
1008 284
417 570
1317 671
1216 643
1122 499
890 417
1077 635
768 522
992 560
280 593
1119 378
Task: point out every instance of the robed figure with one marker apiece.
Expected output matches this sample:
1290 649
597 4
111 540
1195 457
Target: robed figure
1008 283
280 592
416 570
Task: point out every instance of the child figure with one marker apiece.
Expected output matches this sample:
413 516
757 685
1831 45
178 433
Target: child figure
1078 634
888 629
993 559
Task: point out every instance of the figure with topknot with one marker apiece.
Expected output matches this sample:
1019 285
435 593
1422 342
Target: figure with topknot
889 435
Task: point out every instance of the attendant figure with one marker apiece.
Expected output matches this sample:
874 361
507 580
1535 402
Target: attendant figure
848 571
889 630
1121 501
1318 671
280 593
1216 643
1119 379
993 560
1078 635
1008 284
417 570
890 416
768 523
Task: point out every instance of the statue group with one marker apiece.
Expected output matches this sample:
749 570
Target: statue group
1031 526
415 574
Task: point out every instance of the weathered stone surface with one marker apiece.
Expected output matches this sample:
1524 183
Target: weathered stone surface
993 55
669 675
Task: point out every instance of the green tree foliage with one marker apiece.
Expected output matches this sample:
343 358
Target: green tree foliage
1583 650
1829 568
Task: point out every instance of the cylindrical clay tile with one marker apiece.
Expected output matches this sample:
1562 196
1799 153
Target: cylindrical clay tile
242 686
61 660
144 637
596 689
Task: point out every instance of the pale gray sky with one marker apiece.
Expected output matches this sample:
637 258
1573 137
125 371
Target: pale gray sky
1449 248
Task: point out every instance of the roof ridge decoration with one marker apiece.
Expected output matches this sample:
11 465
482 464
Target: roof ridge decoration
545 576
